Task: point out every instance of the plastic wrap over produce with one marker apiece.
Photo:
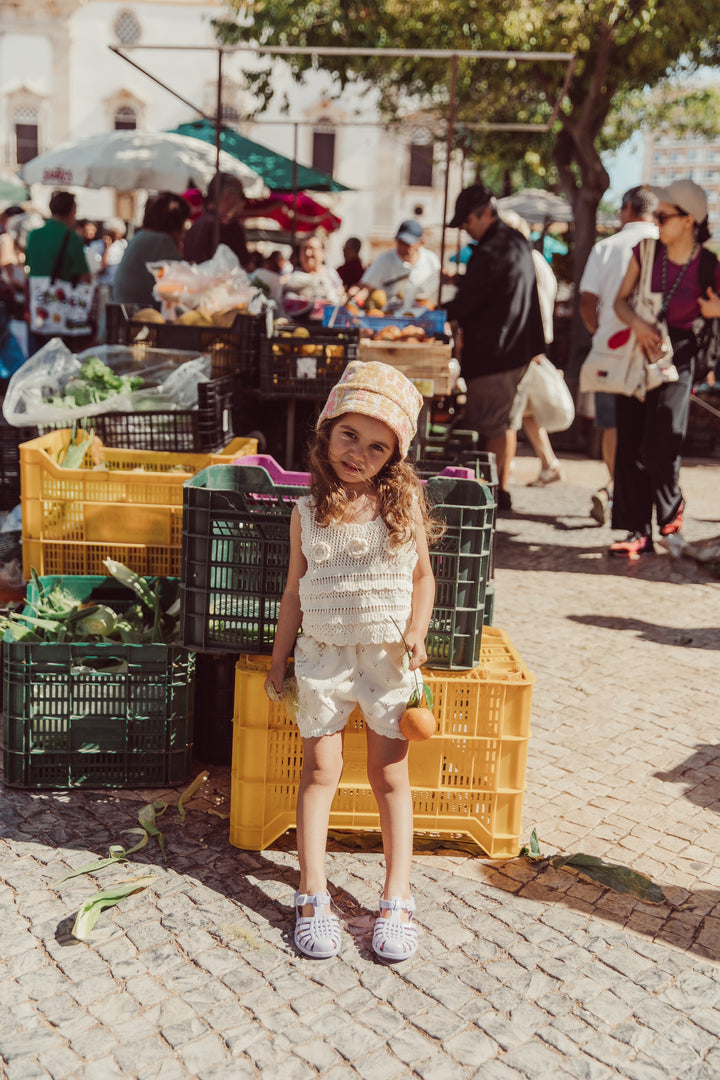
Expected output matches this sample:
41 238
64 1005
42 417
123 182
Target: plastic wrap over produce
55 386
205 288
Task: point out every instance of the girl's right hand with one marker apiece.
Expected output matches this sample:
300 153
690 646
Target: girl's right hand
273 684
710 305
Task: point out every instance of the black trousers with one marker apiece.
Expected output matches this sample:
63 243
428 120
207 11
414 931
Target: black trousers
650 436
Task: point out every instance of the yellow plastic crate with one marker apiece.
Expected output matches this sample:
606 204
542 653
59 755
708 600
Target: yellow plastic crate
467 780
130 509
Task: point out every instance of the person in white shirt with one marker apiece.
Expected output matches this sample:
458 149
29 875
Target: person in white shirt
409 274
602 277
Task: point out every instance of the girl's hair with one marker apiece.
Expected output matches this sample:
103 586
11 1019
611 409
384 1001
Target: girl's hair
397 485
702 231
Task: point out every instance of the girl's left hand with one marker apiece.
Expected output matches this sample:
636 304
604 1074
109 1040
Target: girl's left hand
416 647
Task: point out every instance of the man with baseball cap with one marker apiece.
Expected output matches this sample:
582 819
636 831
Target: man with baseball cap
408 274
498 310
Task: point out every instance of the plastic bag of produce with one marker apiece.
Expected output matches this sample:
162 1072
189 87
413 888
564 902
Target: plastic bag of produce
55 386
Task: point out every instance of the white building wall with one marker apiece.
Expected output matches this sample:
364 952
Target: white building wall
57 50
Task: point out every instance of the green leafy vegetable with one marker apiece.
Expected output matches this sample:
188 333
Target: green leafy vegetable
96 382
90 912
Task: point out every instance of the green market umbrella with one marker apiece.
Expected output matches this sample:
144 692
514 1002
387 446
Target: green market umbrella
275 169
13 192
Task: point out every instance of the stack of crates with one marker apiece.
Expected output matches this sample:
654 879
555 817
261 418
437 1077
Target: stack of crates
103 714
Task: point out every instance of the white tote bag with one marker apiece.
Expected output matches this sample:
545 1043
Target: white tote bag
615 363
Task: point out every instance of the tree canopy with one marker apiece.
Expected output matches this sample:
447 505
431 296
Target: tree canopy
623 47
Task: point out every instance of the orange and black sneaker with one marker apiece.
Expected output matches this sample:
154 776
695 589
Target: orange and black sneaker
675 525
632 547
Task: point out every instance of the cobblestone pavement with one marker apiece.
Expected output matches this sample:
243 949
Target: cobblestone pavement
523 970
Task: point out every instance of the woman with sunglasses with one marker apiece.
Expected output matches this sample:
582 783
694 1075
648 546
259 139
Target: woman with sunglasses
650 433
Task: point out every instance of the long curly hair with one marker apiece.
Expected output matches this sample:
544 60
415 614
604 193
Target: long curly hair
397 486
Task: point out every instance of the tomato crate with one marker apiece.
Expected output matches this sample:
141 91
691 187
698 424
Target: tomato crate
96 715
234 349
130 509
467 780
236 549
308 365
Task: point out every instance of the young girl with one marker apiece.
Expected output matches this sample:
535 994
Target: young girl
359 574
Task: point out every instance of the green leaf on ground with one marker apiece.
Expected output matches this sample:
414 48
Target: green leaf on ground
91 910
532 851
188 793
147 818
620 878
116 853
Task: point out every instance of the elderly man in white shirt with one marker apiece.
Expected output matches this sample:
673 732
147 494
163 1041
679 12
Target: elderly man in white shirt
602 277
408 274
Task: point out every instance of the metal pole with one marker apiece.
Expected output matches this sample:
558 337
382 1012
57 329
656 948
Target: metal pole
448 157
218 178
294 186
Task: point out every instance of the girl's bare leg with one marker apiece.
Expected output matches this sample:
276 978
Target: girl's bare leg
322 768
390 782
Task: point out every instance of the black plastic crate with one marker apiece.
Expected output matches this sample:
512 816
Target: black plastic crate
66 723
235 554
206 429
234 350
10 439
483 464
306 366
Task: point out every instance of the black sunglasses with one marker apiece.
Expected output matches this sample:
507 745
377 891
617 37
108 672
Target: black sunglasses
661 217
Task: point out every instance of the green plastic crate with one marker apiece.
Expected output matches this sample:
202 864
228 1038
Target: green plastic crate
236 547
67 724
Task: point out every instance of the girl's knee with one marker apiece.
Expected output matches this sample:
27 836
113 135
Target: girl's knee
322 761
388 776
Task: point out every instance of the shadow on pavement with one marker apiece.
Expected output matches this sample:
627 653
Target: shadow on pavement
700 637
701 772
689 921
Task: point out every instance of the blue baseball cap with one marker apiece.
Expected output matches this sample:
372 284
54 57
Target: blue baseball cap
410 232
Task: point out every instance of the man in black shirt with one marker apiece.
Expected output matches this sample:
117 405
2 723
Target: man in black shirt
498 311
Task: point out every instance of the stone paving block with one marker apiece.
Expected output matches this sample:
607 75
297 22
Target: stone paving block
587 1068
266 1053
26 1068
185 1031
104 1068
241 1037
204 1052
439 1022
412 1046
496 1070
380 1065
166 1069
642 1068
534 1059
470 1047
292 1069
352 1035
318 1055
142 1053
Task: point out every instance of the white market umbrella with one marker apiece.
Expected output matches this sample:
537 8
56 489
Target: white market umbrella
538 206
126 160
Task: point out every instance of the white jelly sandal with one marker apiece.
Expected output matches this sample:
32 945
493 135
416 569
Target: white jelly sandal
394 939
316 935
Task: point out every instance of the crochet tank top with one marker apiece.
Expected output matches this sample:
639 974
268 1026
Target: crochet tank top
356 583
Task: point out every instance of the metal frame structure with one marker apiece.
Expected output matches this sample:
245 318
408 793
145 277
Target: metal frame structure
453 55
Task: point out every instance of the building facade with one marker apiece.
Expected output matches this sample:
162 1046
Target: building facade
671 157
60 82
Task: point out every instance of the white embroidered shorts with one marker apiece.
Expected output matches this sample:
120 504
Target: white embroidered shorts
333 679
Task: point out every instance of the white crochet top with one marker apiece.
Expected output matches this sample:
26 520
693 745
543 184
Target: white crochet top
356 582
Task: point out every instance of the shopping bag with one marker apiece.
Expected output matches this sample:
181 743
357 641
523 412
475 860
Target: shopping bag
549 399
616 364
59 308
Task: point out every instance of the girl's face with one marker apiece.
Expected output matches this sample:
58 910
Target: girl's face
358 448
